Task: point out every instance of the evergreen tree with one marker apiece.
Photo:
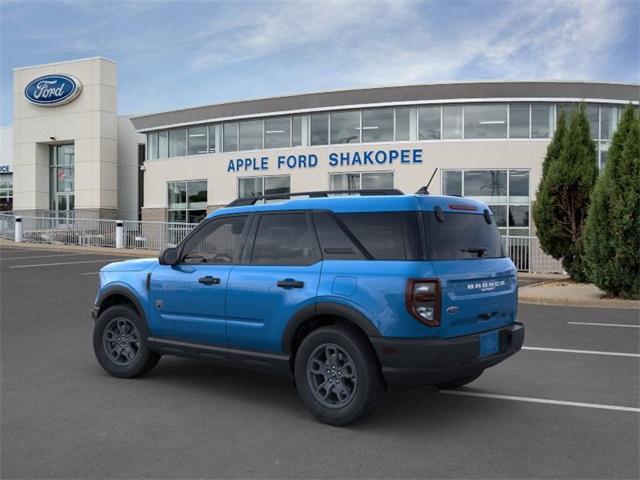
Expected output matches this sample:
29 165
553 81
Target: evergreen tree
563 198
612 233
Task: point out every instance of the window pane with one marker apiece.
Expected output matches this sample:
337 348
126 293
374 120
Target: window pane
380 233
429 123
334 242
377 125
499 214
275 185
284 239
541 120
296 131
519 216
152 146
519 120
485 121
568 109
403 124
277 132
249 187
197 194
320 129
197 140
452 183
177 195
230 137
592 117
344 181
178 216
251 135
345 127
163 144
212 138
452 121
64 179
518 186
604 152
608 122
217 243
196 216
178 142
375 180
487 185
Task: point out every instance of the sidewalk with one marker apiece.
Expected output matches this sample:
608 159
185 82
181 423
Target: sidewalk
537 288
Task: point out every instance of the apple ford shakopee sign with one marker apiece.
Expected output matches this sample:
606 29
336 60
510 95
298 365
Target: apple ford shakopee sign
53 90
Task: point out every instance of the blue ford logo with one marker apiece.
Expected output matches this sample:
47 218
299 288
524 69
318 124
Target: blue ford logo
52 90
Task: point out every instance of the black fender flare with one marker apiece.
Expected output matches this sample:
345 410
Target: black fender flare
120 290
326 308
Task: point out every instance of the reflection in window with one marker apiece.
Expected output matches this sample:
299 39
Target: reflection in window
541 120
6 192
217 242
345 127
251 135
499 214
187 201
361 180
429 123
163 144
230 137
344 181
212 138
152 146
452 121
296 131
376 180
197 140
277 132
519 216
452 182
519 120
320 129
284 239
592 117
377 125
519 186
485 121
178 142
608 122
487 185
403 124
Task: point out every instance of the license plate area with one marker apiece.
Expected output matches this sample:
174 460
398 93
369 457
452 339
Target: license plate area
489 344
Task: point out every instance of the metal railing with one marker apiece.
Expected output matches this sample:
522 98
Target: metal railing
7 226
529 257
69 231
154 235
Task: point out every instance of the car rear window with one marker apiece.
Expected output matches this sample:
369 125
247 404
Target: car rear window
461 236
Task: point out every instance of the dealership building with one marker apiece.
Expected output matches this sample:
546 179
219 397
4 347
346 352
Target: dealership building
69 151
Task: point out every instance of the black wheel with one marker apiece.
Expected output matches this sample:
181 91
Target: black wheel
120 343
337 375
459 382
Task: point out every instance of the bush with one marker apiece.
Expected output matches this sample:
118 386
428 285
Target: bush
612 245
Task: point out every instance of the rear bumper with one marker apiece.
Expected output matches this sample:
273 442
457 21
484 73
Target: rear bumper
411 363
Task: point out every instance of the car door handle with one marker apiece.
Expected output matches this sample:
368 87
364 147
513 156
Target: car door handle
290 283
209 280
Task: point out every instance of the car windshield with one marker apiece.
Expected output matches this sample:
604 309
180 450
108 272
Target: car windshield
461 236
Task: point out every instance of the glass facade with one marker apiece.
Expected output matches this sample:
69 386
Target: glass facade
61 179
6 192
187 201
507 192
257 186
360 180
384 124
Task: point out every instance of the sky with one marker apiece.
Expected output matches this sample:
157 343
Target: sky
176 54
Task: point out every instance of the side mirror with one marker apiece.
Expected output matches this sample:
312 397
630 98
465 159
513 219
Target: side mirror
169 256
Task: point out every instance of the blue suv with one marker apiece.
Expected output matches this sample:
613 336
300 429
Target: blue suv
346 294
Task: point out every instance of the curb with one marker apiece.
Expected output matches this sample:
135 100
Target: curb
567 302
121 252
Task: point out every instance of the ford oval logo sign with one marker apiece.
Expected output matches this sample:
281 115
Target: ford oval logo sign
53 90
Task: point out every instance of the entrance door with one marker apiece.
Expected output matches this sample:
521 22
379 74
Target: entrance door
62 180
187 300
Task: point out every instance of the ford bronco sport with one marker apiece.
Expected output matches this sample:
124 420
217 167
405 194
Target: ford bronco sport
346 294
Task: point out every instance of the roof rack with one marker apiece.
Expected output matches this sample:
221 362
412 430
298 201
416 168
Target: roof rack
241 202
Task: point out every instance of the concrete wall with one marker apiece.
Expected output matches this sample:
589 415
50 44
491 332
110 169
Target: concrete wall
90 122
6 146
223 186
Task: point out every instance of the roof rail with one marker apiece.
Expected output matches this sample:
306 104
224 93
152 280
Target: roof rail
241 202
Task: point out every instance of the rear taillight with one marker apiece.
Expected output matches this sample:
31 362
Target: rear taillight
423 301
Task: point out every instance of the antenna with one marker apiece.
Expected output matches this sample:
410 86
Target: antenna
425 190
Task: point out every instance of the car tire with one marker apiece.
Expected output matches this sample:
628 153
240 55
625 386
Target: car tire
120 343
459 382
337 375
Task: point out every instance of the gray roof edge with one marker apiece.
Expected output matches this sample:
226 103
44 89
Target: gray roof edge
391 94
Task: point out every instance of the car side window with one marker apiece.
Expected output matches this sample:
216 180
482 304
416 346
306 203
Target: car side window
334 241
381 233
284 239
216 243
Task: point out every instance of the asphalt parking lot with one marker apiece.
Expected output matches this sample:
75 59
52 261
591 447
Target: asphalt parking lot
567 406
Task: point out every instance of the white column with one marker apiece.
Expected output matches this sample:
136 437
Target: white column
18 230
119 234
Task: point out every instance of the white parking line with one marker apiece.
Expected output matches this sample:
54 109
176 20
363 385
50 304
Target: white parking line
588 352
600 406
604 324
41 256
106 260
